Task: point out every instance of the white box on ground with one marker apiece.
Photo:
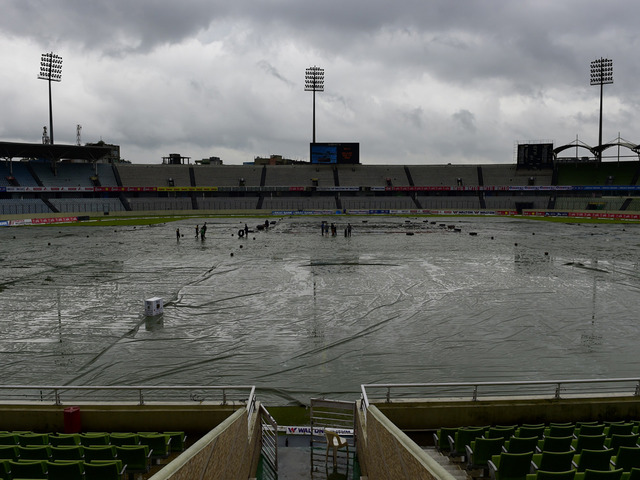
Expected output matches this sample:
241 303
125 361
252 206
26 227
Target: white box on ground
153 306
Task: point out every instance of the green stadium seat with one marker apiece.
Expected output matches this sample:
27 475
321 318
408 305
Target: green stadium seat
137 458
599 475
480 451
530 431
591 429
556 444
120 439
627 458
159 444
441 439
592 460
500 432
67 452
9 452
553 461
99 452
560 430
619 429
178 440
65 470
35 452
26 439
634 474
104 470
543 475
521 444
510 466
64 439
9 439
590 442
463 437
617 441
5 470
91 439
30 469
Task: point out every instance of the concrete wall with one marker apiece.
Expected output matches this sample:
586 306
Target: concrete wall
387 453
433 414
197 418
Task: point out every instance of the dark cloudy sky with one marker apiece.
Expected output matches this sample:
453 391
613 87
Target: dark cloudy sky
413 81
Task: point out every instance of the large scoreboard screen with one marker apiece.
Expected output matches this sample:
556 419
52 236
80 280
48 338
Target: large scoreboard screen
535 154
335 153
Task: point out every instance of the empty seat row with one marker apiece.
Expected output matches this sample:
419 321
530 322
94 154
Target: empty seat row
477 445
69 470
175 440
519 465
618 474
608 429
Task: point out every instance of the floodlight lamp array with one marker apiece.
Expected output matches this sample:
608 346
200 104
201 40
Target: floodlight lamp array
314 79
50 67
601 71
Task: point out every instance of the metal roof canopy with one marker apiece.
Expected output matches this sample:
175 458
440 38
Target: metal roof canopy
52 152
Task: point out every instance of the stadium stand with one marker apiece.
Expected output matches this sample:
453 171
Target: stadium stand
606 173
22 174
509 175
377 203
155 175
18 206
299 203
372 176
4 175
79 205
299 175
634 205
227 203
445 175
161 203
449 201
106 177
66 175
315 187
509 202
227 175
589 203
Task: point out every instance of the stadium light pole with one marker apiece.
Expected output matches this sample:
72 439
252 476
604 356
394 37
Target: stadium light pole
601 73
50 70
314 82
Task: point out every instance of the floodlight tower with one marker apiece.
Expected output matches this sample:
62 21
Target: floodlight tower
314 82
50 70
601 73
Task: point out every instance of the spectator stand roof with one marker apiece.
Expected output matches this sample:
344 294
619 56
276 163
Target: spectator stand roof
51 152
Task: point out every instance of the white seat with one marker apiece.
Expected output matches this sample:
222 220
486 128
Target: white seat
335 442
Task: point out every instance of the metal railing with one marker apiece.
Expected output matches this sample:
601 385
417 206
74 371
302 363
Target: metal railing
475 391
64 394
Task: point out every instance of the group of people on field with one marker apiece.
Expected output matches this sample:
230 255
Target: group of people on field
201 231
325 228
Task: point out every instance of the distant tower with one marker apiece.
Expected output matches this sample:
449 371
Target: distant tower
78 130
45 136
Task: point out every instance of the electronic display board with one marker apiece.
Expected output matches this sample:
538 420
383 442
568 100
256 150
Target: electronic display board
335 153
535 154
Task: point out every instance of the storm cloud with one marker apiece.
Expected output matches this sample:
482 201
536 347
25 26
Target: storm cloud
413 82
